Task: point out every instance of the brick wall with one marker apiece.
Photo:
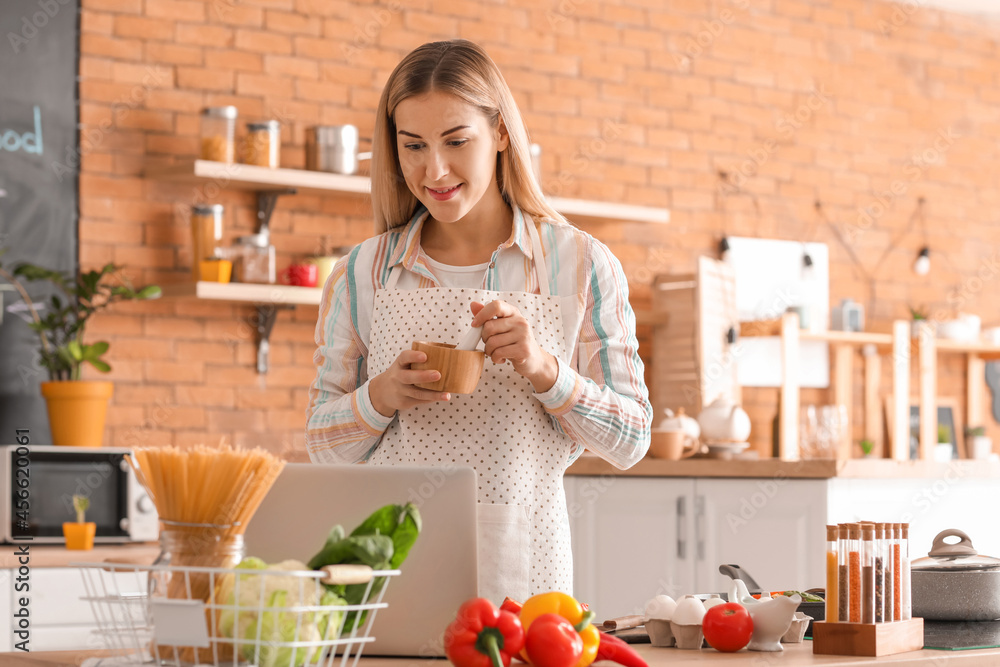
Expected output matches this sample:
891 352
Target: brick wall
857 104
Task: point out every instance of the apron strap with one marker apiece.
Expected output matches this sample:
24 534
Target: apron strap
539 258
541 273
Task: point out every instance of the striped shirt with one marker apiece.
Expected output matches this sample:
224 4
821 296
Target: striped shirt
599 400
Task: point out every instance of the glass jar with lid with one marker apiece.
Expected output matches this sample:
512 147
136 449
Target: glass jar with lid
206 235
262 145
255 259
218 133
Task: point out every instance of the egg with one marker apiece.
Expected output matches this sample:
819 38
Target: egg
689 611
660 608
712 601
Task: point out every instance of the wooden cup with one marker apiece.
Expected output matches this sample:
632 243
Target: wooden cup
460 369
670 445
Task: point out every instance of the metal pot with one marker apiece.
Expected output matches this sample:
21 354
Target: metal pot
334 148
954 583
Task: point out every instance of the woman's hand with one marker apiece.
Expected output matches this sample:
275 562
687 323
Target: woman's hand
508 337
395 388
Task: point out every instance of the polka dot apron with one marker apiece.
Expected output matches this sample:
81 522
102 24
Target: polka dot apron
501 430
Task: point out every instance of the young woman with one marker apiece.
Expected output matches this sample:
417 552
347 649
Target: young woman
466 238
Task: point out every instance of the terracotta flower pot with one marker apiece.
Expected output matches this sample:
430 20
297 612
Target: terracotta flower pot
79 536
77 409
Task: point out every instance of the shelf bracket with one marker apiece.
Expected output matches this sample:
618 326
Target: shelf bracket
267 314
266 200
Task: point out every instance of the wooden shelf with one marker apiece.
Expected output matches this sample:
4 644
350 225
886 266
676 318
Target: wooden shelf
859 338
249 177
245 292
985 351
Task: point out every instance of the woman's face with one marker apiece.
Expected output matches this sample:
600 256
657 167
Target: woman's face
447 152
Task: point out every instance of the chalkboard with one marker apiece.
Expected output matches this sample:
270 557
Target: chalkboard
946 418
39 182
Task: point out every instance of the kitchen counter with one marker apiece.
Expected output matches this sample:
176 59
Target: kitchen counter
590 464
140 553
794 654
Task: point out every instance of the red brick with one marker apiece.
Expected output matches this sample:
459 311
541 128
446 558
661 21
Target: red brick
142 27
205 79
296 24
213 36
96 22
261 41
174 54
301 68
111 47
163 372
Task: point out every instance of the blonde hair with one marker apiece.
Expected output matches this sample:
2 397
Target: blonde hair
461 68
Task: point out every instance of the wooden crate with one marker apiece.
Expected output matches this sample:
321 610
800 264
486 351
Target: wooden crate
868 639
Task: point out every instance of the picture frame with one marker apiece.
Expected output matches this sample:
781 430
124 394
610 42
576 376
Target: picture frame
949 416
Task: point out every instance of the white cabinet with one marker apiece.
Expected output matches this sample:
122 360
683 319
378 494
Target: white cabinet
631 540
772 528
636 537
60 619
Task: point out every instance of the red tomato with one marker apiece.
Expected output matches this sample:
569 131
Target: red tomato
727 627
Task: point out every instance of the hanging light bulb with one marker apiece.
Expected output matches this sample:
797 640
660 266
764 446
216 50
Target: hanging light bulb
724 254
808 271
923 264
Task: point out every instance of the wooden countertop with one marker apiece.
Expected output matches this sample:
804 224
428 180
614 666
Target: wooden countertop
140 553
590 464
793 655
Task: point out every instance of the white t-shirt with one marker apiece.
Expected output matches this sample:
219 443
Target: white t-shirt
470 277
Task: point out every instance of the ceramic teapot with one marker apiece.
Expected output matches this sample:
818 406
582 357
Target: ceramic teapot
724 421
681 422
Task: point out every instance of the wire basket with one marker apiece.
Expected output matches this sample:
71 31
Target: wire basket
263 618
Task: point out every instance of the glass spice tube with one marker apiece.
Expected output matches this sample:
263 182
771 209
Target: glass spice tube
904 578
832 574
897 573
843 580
867 573
854 570
879 573
888 611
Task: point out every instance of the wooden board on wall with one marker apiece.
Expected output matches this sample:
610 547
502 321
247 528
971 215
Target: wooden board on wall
691 361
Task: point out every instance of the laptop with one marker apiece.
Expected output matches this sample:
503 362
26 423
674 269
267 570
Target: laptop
439 574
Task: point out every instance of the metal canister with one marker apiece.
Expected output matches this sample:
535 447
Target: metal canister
332 148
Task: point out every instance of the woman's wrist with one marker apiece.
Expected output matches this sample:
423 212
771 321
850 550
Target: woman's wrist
546 377
374 395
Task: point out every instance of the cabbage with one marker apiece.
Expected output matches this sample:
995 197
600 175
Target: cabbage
276 627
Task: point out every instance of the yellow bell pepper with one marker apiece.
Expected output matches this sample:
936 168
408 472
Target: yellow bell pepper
566 606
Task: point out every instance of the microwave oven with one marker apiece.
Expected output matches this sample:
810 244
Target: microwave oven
39 482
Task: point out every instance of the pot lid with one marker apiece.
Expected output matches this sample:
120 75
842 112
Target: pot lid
958 557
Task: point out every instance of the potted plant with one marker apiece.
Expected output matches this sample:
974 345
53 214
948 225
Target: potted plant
979 445
919 317
867 447
77 408
80 535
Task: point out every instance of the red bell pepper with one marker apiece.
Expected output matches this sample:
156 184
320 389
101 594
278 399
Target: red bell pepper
513 606
552 641
614 649
483 636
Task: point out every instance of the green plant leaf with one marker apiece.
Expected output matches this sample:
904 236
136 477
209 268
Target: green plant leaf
102 366
149 292
75 351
